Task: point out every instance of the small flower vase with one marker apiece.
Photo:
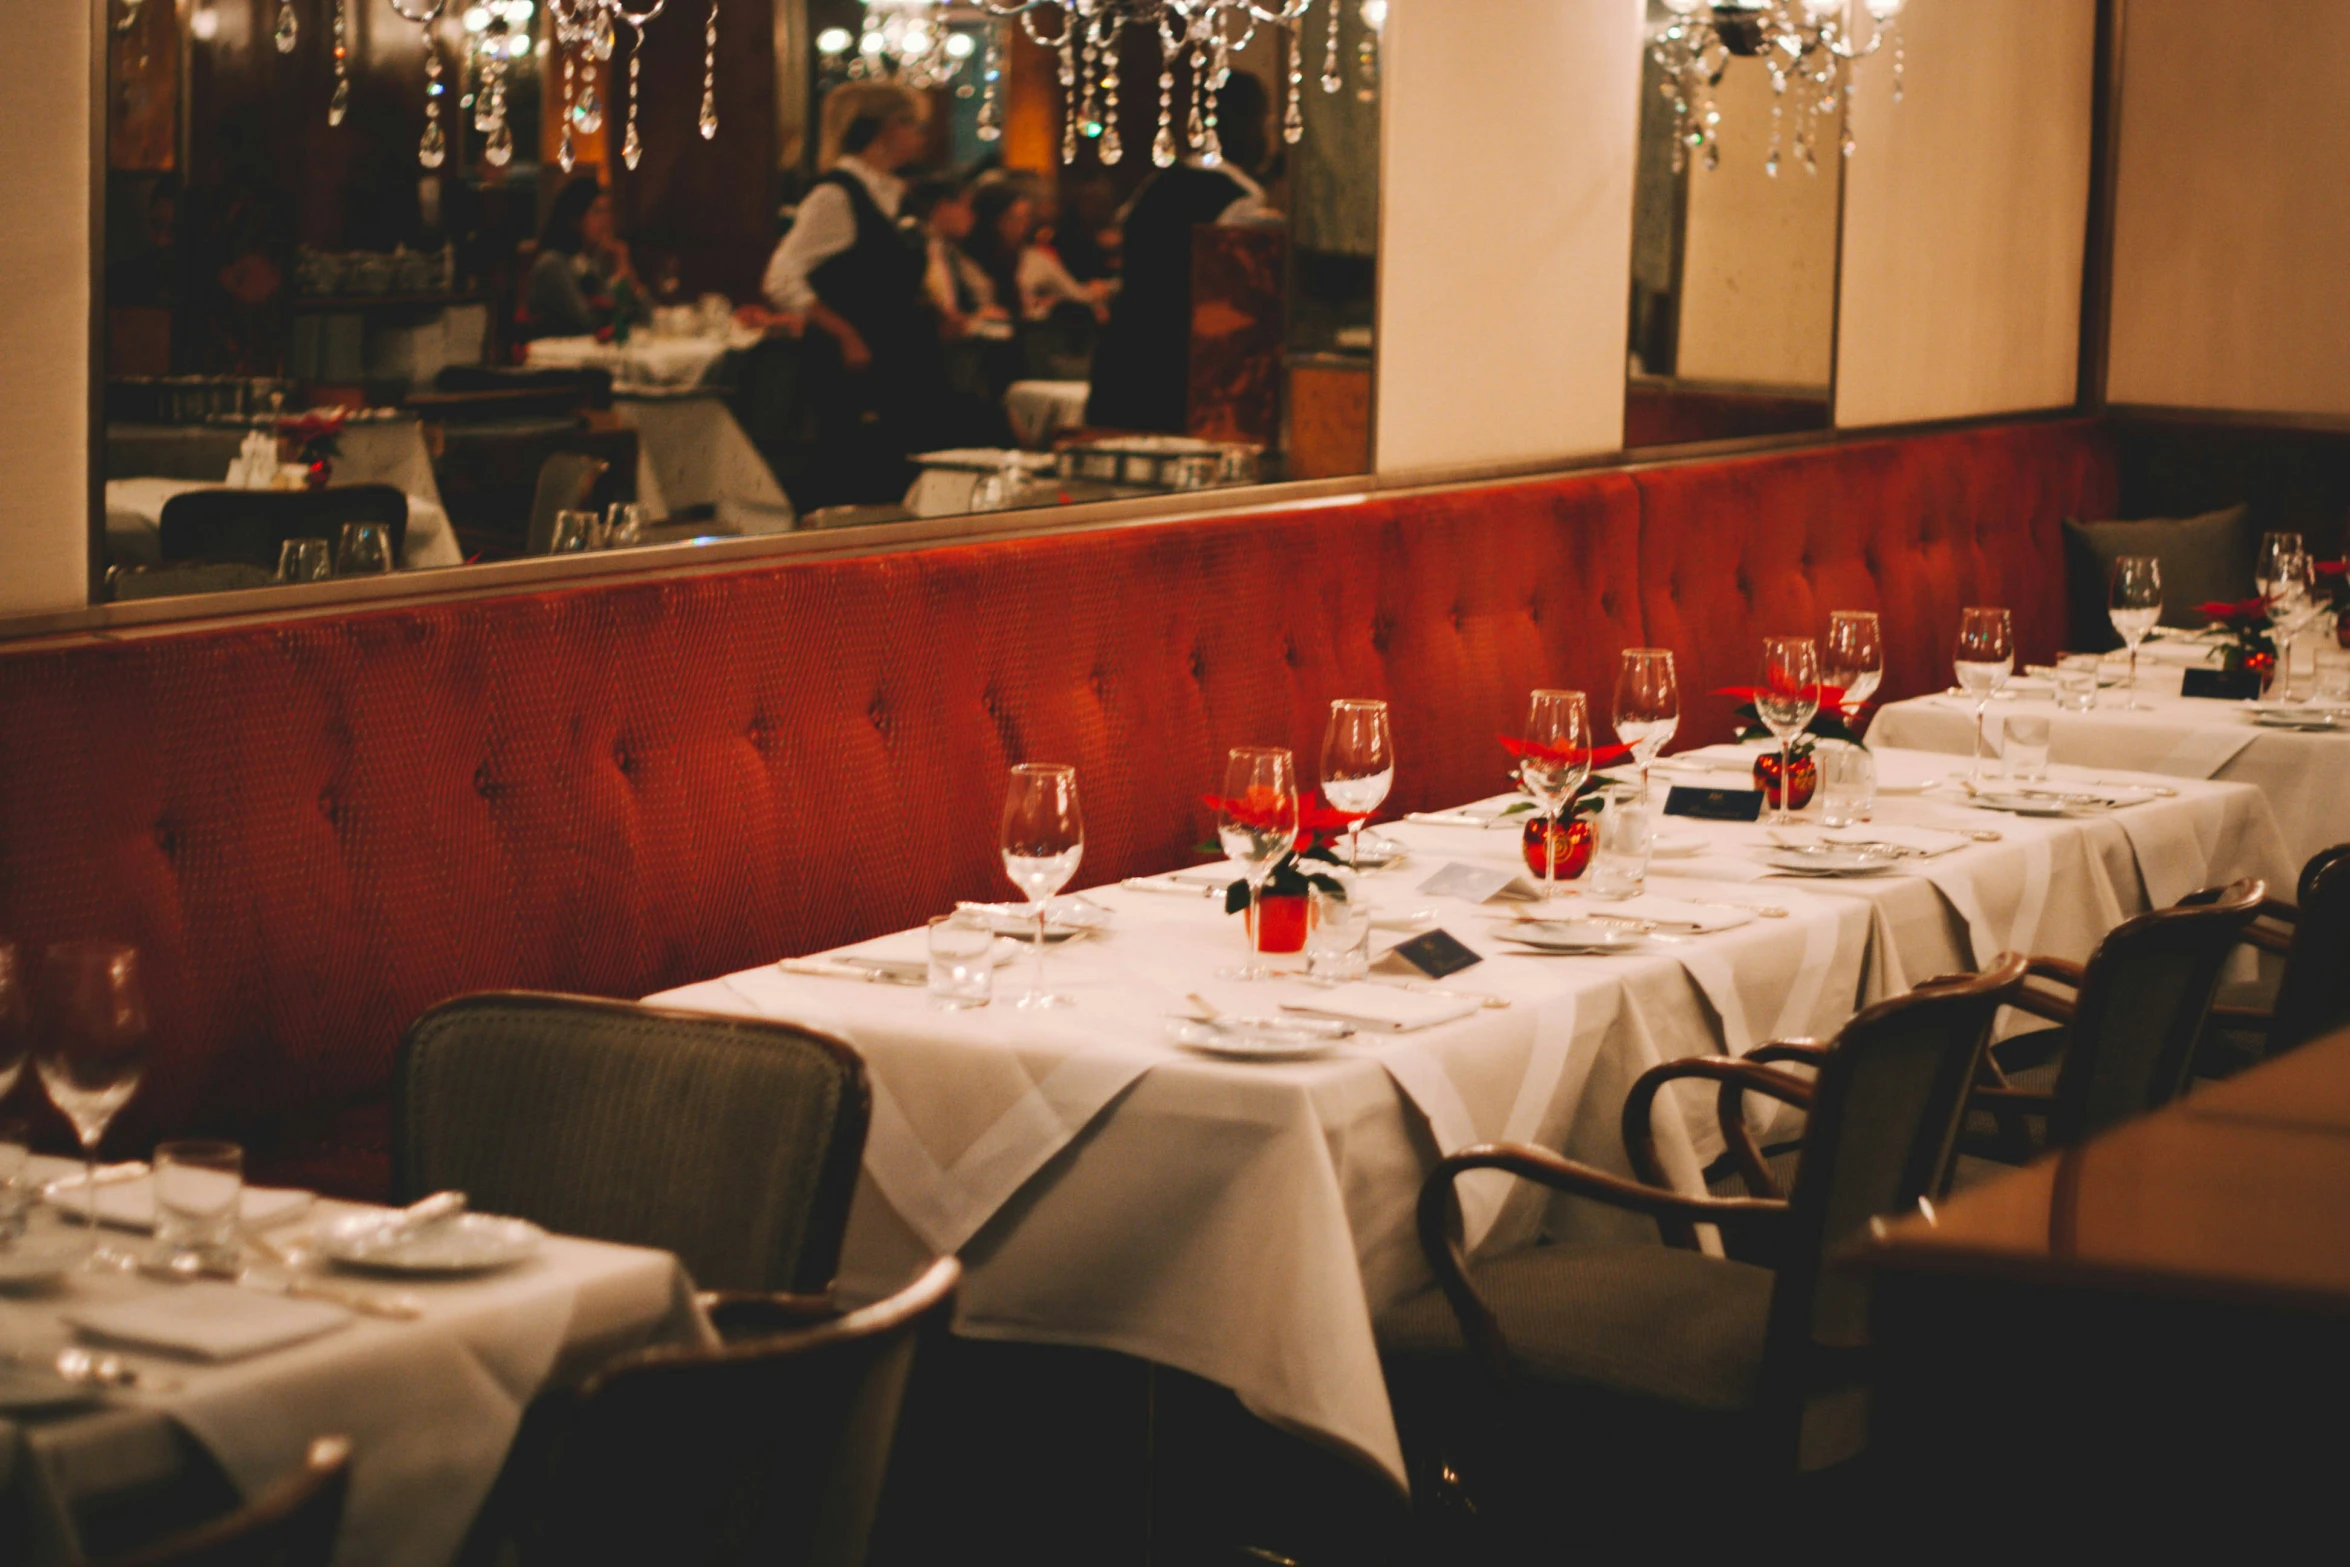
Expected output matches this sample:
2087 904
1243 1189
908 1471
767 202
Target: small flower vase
1279 923
1574 845
318 475
1803 779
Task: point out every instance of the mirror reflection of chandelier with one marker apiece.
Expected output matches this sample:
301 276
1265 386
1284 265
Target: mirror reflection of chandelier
1808 47
915 41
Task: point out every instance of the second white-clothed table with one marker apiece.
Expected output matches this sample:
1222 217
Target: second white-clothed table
134 523
1247 1221
692 452
2305 775
431 1406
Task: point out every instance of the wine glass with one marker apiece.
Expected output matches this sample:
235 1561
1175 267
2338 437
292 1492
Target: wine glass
1786 700
1854 659
1556 761
1044 838
1648 705
1985 658
2285 594
2275 548
1358 766
364 548
1256 822
90 1048
2134 600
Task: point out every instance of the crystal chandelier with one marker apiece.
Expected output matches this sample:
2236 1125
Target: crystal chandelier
909 41
1085 35
1808 47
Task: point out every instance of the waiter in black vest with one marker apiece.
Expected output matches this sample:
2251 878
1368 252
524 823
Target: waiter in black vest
1141 368
850 270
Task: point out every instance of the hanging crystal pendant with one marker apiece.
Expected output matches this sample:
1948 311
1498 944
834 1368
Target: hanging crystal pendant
708 124
289 28
631 147
1163 145
1113 146
565 154
340 104
1293 113
498 149
1331 80
990 76
601 41
434 149
588 112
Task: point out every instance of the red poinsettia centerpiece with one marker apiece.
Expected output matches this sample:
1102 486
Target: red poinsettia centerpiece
1319 828
1572 826
2251 644
317 440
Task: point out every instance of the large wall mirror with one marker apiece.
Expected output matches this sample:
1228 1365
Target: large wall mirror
409 284
1737 216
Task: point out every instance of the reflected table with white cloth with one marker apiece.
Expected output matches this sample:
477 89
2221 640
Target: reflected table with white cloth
134 524
376 446
2302 771
692 453
1040 410
646 359
431 1405
1246 1222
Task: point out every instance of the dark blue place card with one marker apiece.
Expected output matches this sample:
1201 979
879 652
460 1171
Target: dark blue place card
1715 805
1435 954
2228 685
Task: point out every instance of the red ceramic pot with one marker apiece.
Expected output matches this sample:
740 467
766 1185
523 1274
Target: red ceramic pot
1574 846
1804 781
1279 924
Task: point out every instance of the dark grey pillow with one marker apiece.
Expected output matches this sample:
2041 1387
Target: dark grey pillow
2203 559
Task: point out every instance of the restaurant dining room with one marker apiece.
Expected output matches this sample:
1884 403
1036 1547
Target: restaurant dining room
1172 783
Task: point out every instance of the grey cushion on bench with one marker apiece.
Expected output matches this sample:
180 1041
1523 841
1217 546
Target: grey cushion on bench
2203 559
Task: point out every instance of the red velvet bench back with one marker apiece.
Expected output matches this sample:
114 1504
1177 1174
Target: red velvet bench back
318 828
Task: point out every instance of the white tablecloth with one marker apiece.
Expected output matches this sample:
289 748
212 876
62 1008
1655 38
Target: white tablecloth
1248 1222
692 452
1040 410
2306 777
645 359
431 1406
134 522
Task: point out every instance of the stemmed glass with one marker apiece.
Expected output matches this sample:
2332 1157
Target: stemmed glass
1256 822
1044 838
1854 659
2275 550
2284 594
90 1048
1985 658
1554 764
2134 600
1786 700
1358 766
1648 705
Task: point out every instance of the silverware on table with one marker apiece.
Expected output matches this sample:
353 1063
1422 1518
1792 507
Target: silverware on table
820 968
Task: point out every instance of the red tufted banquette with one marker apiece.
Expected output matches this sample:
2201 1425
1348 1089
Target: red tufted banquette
318 828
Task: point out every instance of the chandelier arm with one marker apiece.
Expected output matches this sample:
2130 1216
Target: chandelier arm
429 15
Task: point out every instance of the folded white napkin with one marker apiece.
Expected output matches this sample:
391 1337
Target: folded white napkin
1908 772
1720 758
130 1205
209 1321
1693 918
1477 813
1383 1007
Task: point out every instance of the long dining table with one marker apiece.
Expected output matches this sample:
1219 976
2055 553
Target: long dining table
1248 1221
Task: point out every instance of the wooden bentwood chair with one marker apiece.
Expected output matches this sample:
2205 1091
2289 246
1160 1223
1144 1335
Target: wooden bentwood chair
2123 1044
1610 1370
769 1451
731 1142
292 1524
2312 935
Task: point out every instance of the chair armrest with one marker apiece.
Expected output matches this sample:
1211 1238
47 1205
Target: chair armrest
752 1313
1440 1223
2062 970
1736 1075
2016 1101
2279 942
2041 1004
2278 909
1803 1052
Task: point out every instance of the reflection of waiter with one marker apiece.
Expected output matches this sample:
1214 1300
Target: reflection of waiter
857 278
1142 367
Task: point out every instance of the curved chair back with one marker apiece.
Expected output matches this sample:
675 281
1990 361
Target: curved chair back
730 1141
2145 996
769 1451
292 1524
567 482
1881 1134
250 525
2313 997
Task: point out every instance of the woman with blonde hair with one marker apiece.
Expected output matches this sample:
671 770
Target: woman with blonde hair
852 273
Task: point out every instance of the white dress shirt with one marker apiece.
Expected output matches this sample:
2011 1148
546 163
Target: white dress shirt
826 226
1250 206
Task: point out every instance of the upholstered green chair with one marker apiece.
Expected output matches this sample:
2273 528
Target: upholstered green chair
1540 1388
768 1451
730 1141
2123 1043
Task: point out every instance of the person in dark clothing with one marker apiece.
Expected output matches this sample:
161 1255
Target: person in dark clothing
581 280
1142 365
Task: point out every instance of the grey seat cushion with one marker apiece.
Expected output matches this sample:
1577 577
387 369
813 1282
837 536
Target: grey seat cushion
1651 1323
2203 559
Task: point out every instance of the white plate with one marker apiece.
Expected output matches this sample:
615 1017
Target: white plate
24 1389
1830 860
1571 936
1676 848
469 1243
1255 1039
2301 719
1379 851
1064 918
41 1259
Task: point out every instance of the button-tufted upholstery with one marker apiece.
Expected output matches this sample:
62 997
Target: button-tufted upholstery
318 828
